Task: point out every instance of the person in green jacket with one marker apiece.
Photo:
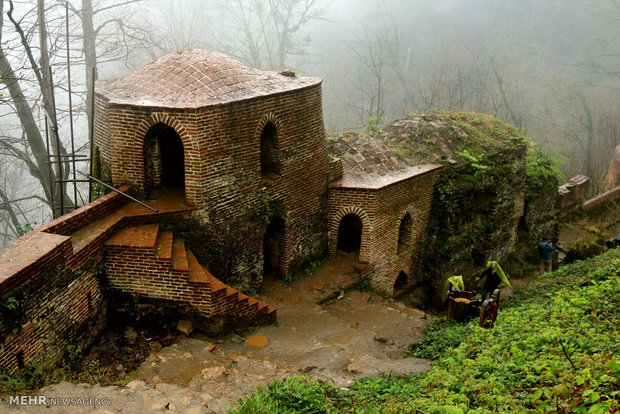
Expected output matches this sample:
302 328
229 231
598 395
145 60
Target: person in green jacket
454 283
495 278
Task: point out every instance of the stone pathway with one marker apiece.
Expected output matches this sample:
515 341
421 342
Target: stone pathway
359 335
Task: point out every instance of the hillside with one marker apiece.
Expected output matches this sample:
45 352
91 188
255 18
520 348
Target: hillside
554 348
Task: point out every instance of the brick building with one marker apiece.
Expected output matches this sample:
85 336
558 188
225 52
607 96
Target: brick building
249 148
379 210
247 145
240 152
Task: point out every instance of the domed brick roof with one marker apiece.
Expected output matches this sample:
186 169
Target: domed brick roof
195 78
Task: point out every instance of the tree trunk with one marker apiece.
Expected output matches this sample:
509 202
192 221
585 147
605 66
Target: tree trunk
31 130
90 57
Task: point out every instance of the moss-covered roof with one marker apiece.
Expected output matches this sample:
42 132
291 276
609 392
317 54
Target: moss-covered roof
440 137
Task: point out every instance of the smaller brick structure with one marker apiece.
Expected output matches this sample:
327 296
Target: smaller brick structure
243 153
379 208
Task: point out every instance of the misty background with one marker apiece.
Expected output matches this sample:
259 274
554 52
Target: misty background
552 68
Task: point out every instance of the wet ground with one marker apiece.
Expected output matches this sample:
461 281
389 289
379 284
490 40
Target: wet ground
359 334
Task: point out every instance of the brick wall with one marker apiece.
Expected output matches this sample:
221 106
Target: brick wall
381 212
71 222
62 308
64 302
223 173
139 271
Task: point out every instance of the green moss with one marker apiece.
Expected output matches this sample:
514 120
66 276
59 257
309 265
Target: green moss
542 171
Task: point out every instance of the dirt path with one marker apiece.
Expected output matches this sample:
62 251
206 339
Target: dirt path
360 334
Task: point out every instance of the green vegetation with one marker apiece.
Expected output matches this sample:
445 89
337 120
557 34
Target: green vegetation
440 135
540 170
373 125
554 348
12 311
475 162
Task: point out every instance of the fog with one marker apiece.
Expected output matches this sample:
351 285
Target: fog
552 67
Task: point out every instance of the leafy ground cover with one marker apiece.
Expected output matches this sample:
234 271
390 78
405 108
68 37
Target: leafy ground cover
555 348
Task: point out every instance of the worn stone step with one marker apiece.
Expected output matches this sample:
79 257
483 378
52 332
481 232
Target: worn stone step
179 256
139 236
197 273
163 247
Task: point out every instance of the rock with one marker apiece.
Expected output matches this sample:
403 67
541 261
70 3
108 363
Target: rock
195 409
213 372
382 340
171 407
207 397
130 335
135 384
160 403
185 327
209 347
166 388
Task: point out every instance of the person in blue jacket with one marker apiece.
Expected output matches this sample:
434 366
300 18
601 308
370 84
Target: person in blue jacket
545 247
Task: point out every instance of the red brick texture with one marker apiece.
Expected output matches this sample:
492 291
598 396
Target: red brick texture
62 307
150 263
381 212
223 172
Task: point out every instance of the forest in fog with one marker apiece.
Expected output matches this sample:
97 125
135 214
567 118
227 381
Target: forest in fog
551 68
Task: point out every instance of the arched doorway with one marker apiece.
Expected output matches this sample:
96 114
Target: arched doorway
400 284
164 159
350 234
272 248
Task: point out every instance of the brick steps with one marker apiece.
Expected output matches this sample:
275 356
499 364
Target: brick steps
163 247
95 231
152 262
143 237
179 256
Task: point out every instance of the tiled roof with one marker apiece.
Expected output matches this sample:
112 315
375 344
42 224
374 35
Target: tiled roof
195 78
370 164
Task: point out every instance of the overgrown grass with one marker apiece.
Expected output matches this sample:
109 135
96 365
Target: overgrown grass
554 348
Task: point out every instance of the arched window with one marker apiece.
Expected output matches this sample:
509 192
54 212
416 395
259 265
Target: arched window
268 158
404 231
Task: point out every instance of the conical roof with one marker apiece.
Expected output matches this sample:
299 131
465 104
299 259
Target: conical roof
195 78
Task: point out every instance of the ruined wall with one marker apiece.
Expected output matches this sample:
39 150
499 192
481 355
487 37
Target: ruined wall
413 196
50 295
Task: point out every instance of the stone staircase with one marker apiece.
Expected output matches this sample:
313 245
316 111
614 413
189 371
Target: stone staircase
149 261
